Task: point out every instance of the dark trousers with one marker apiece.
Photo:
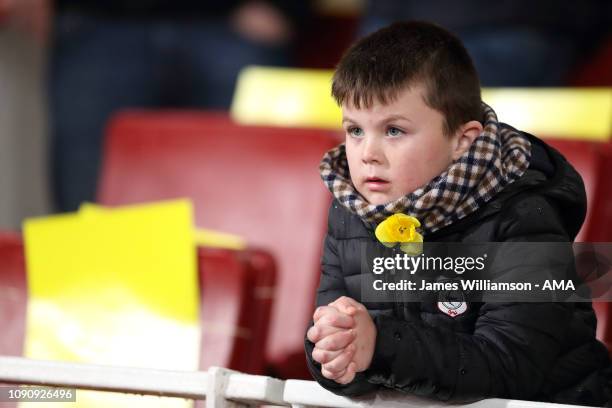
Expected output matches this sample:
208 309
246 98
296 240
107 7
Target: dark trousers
101 65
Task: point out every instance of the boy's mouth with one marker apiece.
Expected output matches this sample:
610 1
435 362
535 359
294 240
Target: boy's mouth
376 183
375 180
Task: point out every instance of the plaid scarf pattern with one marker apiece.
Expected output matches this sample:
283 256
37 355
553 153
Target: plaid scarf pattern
496 158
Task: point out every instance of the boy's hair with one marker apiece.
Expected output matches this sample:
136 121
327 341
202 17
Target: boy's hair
403 54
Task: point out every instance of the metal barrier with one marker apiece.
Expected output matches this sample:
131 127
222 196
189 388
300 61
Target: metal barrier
220 387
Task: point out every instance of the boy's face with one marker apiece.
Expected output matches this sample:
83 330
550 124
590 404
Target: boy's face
394 149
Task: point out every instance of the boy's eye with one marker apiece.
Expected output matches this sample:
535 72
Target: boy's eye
394 132
355 131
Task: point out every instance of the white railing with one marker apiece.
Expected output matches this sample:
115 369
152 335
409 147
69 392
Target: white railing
309 393
220 387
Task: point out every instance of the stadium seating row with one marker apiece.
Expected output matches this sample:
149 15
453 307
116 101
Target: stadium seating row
260 183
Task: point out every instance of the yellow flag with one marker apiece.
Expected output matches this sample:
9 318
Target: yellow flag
115 286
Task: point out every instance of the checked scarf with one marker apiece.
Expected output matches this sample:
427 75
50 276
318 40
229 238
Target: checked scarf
496 158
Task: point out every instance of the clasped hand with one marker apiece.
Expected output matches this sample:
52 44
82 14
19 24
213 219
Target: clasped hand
344 336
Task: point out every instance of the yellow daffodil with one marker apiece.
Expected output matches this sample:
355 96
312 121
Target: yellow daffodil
401 228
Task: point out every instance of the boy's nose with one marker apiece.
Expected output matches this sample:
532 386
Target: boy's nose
371 152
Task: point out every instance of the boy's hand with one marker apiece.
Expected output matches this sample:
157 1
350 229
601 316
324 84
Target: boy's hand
330 322
333 334
365 331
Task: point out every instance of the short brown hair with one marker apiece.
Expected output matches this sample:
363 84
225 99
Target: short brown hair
380 65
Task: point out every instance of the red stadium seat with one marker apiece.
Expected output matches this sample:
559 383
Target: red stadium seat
261 183
230 282
13 294
587 159
593 161
13 298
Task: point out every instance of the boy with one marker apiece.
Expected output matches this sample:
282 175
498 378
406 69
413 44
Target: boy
419 141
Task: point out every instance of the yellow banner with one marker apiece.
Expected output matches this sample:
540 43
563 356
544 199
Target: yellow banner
115 286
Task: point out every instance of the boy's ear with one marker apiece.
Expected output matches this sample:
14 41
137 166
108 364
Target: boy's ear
465 136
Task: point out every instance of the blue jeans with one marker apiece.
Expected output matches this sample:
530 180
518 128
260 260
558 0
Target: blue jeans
99 66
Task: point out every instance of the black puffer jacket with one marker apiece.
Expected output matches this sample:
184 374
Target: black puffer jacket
533 351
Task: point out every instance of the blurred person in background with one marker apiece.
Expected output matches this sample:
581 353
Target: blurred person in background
23 124
107 55
512 42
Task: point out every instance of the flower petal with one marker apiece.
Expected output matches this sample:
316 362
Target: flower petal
383 232
398 228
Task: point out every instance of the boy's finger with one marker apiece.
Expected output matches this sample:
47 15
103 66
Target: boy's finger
348 376
337 319
321 331
313 334
331 375
336 341
322 311
345 308
341 362
342 301
347 305
324 356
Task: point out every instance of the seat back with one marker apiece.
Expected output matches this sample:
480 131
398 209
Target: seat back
13 294
587 159
261 183
301 97
594 163
234 308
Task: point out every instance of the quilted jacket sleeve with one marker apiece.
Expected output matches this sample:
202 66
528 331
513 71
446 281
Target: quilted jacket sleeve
331 287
